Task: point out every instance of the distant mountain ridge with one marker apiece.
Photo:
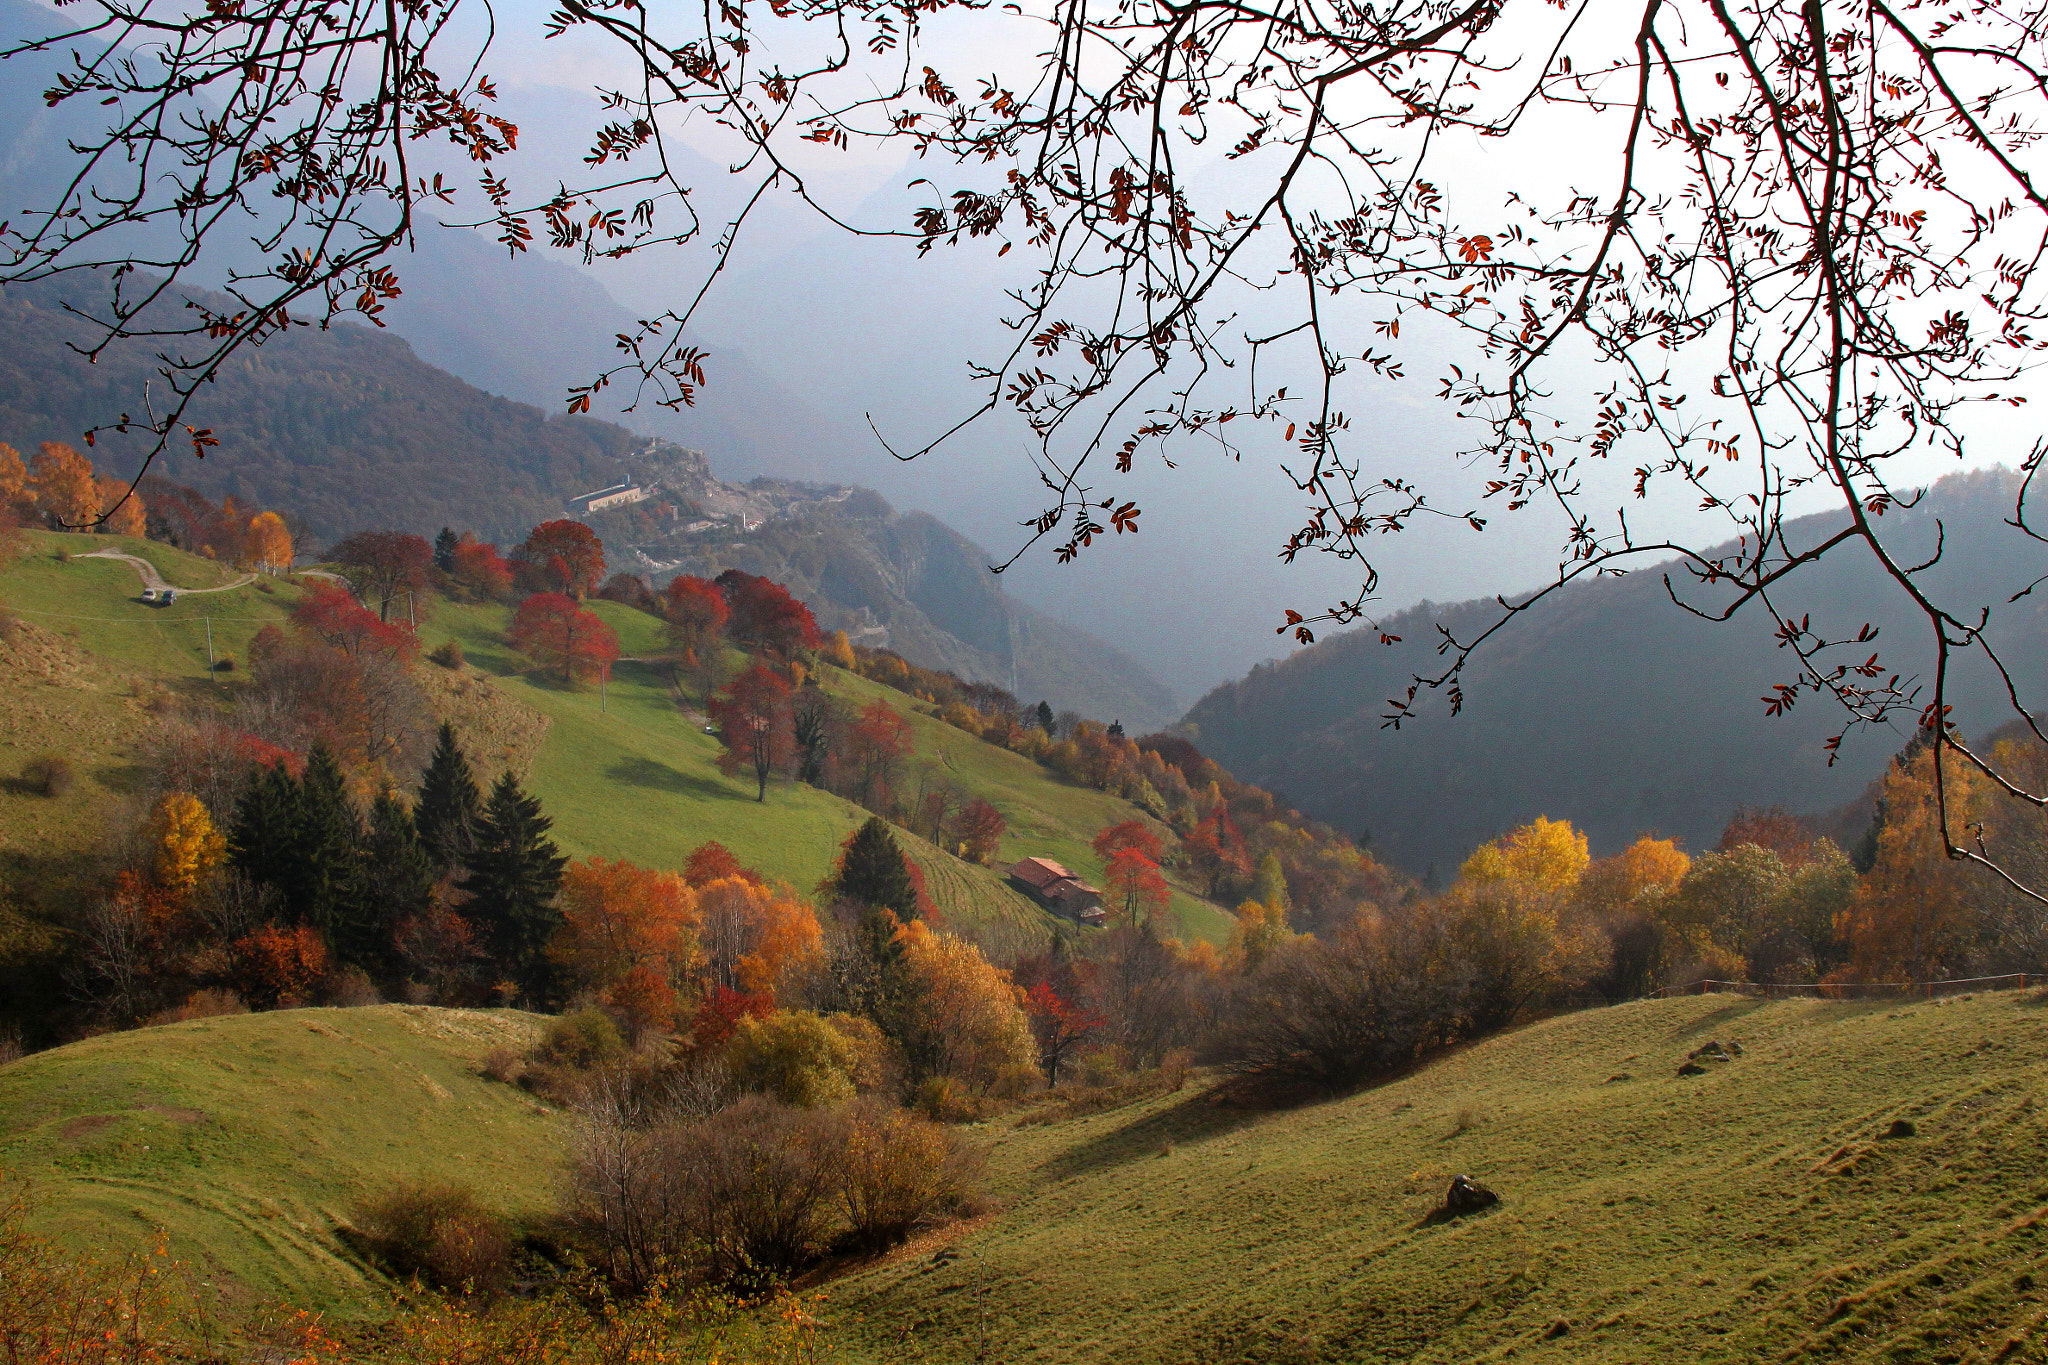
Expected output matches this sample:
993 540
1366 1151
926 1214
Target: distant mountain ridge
346 428
904 581
1610 706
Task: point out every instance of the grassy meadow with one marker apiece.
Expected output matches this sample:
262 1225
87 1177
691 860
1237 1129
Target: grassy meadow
1758 1212
242 1143
1754 1213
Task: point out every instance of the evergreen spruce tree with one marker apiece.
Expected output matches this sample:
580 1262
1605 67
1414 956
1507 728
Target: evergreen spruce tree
873 872
514 873
449 806
324 883
261 836
444 549
397 883
1045 716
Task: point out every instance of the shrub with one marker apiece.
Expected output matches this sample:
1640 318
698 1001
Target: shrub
224 664
795 1056
583 1040
1371 999
448 655
503 1065
206 1004
350 988
898 1171
439 1234
49 775
740 1198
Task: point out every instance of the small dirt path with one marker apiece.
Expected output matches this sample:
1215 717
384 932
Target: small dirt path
152 579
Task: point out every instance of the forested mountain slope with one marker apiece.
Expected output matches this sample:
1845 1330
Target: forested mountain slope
1610 706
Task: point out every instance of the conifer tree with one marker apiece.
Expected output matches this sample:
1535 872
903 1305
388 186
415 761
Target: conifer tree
449 804
323 884
873 872
397 884
260 839
514 873
1044 716
444 549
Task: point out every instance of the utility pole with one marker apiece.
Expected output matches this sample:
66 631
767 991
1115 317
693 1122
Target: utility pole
209 651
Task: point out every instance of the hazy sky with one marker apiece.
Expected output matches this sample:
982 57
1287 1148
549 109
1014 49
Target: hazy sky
862 328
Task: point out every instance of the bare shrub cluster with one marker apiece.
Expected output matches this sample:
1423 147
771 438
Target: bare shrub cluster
760 1189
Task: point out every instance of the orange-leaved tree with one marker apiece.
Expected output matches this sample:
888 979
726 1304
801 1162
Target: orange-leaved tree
616 917
121 510
276 967
267 547
751 934
62 482
556 633
1911 919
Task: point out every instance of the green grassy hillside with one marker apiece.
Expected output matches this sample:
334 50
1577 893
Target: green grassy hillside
243 1142
1754 1213
625 772
81 663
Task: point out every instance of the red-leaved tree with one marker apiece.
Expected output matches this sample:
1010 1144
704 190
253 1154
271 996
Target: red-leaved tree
562 556
383 566
1137 889
765 616
1061 1027
978 830
753 718
329 613
554 632
874 749
696 612
480 569
712 861
1132 834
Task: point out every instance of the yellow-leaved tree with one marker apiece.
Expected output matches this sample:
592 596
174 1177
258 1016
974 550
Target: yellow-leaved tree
1545 855
1620 897
267 546
963 1019
1506 917
185 842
